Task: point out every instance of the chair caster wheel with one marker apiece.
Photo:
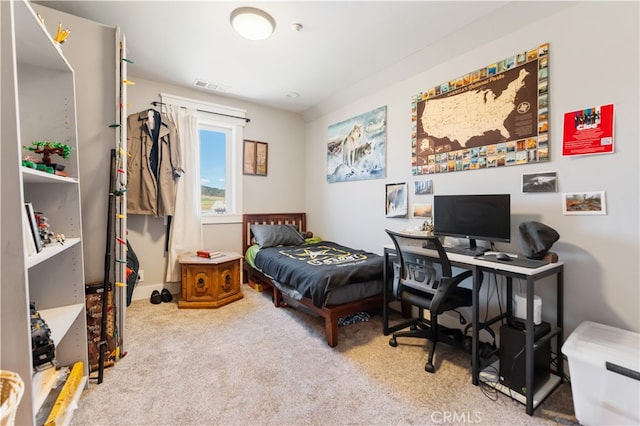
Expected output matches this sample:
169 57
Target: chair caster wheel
393 342
466 343
429 368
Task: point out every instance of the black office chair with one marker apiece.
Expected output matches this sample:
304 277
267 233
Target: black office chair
416 283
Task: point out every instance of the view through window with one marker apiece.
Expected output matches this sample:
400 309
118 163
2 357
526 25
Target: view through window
215 191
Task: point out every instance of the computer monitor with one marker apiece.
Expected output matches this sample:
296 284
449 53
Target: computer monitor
474 217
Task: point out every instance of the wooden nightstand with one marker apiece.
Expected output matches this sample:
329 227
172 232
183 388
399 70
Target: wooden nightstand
210 283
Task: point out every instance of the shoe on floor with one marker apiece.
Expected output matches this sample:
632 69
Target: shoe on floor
166 296
156 299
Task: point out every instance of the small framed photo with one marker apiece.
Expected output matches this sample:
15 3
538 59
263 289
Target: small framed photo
422 210
584 203
396 204
254 158
423 187
539 182
261 158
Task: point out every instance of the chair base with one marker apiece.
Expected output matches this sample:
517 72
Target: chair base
421 329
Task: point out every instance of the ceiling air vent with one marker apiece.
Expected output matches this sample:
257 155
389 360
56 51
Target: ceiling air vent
201 84
211 86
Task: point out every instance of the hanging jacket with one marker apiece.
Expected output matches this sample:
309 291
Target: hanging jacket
154 166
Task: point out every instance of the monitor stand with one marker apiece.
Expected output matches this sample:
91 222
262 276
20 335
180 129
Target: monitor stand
471 250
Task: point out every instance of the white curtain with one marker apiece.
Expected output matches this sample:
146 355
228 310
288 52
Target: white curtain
186 229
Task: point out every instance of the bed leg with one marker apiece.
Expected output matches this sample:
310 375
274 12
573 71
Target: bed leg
331 330
277 298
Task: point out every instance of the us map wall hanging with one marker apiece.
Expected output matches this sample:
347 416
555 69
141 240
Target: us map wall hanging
491 117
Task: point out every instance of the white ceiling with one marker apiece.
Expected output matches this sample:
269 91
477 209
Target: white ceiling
343 44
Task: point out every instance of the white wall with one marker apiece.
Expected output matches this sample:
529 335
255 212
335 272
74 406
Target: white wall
593 61
282 190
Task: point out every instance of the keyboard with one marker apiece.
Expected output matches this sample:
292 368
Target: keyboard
464 250
515 261
467 251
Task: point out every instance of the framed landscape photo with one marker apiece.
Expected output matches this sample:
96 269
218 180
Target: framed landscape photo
584 203
261 158
255 157
539 182
249 158
422 210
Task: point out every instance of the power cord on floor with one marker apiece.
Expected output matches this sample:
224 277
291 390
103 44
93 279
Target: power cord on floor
490 377
489 382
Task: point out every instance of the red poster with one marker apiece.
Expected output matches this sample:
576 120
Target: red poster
588 131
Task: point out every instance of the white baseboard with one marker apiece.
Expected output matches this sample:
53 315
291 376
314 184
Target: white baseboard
143 291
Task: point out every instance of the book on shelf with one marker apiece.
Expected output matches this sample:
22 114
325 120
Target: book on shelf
33 224
30 245
209 254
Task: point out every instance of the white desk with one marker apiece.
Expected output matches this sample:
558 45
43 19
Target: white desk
531 275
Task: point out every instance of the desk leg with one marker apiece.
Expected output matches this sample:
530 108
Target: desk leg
475 321
385 291
560 321
529 339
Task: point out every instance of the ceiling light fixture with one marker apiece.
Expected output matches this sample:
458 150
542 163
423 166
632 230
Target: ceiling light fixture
252 23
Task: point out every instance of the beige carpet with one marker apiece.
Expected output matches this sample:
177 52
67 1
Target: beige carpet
249 363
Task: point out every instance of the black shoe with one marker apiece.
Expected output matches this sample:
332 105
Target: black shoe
156 299
166 296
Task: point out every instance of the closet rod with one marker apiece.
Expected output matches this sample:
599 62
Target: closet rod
156 103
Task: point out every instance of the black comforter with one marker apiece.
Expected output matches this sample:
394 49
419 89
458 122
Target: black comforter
316 269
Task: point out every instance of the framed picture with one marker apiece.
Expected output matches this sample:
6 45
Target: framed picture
356 147
422 210
509 101
396 200
423 187
261 158
584 203
255 155
539 182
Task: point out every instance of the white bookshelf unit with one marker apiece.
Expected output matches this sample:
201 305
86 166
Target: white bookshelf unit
39 103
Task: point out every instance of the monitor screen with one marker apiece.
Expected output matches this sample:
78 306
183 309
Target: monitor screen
482 217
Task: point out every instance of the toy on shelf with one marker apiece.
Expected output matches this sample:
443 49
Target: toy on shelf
47 149
46 235
61 35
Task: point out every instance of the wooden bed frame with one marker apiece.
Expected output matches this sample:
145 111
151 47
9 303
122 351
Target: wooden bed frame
258 281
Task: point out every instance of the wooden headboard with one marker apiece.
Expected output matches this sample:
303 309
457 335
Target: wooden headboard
299 220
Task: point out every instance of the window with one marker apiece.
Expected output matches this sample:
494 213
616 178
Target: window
219 148
219 171
213 170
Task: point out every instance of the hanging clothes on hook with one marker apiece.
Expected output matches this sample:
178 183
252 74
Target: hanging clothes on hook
154 166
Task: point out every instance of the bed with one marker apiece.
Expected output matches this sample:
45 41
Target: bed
328 290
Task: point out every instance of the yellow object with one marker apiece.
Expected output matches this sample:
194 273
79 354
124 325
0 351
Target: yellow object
61 35
66 395
12 388
119 284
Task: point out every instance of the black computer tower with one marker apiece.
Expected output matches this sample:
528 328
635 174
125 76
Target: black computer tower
512 357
